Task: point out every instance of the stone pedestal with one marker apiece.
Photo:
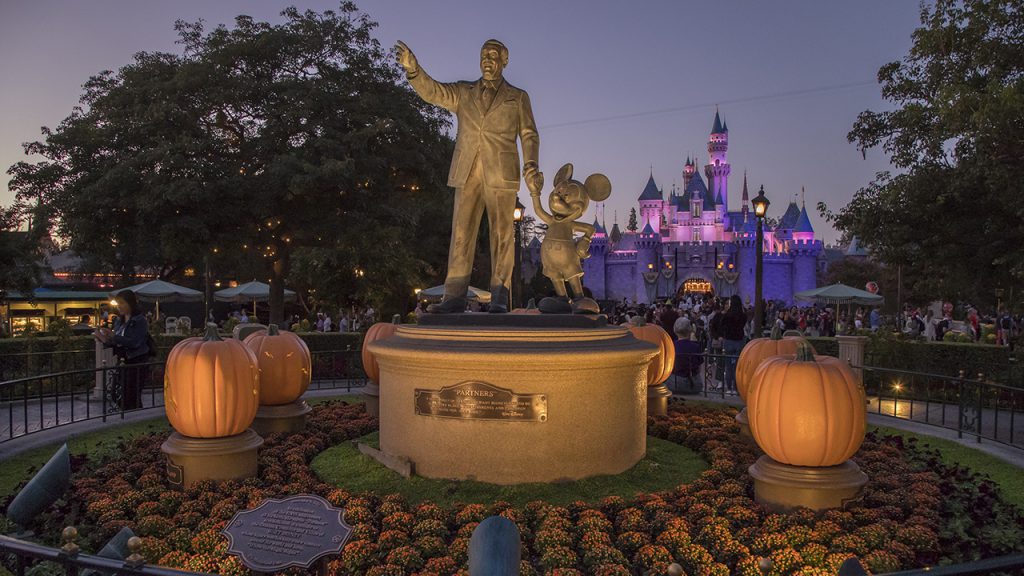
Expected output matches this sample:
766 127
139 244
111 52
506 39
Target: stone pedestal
513 398
286 418
190 460
744 423
783 488
657 400
851 350
371 395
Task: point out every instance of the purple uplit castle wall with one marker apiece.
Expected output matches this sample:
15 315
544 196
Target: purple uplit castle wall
691 242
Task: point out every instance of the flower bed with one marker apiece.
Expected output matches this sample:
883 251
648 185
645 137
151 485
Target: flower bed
915 511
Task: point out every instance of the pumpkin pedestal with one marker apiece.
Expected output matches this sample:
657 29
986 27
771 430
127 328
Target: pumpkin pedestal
783 488
190 460
657 400
744 423
285 418
371 395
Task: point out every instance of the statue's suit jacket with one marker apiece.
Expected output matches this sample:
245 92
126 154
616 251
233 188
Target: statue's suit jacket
490 133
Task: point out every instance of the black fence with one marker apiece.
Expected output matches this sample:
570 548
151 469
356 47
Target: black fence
22 557
974 406
36 403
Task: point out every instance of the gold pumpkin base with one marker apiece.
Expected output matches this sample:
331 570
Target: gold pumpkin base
783 488
371 394
741 419
190 460
285 418
657 400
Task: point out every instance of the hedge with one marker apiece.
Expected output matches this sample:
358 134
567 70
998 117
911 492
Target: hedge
942 358
51 354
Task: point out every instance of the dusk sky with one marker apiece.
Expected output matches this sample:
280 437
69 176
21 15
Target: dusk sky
617 87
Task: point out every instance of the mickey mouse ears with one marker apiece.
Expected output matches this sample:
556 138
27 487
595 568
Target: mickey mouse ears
599 188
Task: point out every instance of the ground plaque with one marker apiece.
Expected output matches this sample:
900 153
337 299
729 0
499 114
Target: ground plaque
481 401
290 533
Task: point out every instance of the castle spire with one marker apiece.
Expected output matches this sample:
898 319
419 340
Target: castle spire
717 128
803 199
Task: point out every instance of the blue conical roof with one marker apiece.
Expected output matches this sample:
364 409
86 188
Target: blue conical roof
616 234
790 218
651 191
696 185
647 228
598 229
717 128
803 224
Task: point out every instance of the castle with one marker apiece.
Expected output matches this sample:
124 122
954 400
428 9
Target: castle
691 243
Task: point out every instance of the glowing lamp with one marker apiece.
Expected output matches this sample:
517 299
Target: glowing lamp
760 203
517 213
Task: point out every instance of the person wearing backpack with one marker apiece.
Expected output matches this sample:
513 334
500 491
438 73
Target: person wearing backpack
133 347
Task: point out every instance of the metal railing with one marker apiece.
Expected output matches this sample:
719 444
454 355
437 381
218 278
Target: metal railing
973 406
42 402
26 364
20 556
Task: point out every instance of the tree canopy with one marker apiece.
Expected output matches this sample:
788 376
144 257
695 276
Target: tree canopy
259 140
956 138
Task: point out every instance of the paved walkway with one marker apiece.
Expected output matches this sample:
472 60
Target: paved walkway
154 409
1004 452
80 426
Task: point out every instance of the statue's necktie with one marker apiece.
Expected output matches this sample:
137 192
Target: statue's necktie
487 95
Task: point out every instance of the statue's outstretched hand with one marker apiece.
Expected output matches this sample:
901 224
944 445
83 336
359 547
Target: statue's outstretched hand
534 179
406 58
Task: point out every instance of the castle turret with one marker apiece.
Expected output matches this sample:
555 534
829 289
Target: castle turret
648 247
717 169
594 268
746 198
689 169
651 204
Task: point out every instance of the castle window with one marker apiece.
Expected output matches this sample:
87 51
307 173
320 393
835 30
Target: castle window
696 234
695 209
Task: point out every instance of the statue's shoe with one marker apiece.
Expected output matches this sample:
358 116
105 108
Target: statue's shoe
499 301
552 305
585 306
455 305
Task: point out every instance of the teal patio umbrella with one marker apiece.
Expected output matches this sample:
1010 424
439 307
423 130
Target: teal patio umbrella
157 290
254 291
839 294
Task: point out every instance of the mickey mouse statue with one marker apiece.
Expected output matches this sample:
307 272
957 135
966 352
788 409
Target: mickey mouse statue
561 251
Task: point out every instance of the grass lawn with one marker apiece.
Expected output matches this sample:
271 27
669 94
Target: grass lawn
96 444
1008 477
666 466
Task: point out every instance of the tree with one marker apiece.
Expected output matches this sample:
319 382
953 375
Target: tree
631 226
19 254
956 139
261 139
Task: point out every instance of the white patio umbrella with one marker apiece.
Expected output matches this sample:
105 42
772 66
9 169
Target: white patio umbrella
157 290
473 293
250 291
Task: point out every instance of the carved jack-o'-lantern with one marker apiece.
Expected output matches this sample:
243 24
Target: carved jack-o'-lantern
211 386
285 365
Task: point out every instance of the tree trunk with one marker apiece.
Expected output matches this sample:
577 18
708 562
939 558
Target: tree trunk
279 269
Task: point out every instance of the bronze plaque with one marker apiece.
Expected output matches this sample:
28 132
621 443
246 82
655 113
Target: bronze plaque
481 401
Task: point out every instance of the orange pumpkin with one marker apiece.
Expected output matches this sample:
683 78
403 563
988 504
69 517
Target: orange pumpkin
211 386
661 365
757 350
285 365
378 331
807 410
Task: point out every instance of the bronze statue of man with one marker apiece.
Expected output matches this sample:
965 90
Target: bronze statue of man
485 167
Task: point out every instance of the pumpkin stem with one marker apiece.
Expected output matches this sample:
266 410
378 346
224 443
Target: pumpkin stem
211 333
804 353
776 333
396 319
272 330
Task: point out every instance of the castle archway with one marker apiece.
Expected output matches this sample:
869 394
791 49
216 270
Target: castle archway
695 285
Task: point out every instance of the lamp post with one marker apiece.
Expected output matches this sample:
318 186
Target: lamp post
517 284
760 203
